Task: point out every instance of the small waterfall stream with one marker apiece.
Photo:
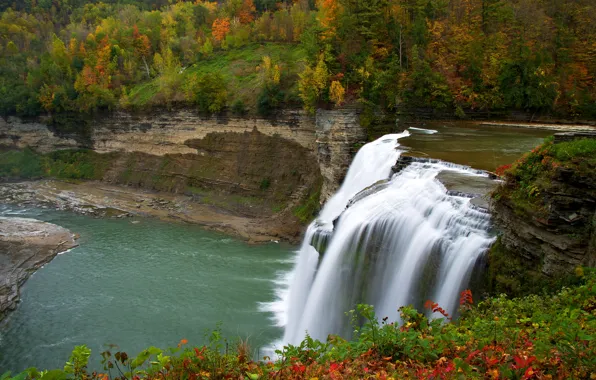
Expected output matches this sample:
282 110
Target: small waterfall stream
400 242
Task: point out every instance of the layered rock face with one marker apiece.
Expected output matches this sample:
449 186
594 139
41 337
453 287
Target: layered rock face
558 243
156 133
25 246
249 164
16 133
277 158
339 136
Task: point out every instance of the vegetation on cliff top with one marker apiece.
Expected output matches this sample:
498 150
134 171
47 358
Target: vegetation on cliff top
70 56
536 337
532 175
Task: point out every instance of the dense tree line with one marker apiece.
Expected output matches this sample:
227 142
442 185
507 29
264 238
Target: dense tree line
533 55
64 56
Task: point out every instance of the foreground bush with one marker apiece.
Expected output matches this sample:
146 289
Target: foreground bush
536 337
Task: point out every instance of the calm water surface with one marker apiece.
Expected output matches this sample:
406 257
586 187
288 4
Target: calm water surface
137 285
470 144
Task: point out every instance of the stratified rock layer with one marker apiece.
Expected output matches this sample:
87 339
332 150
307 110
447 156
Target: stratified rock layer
543 243
339 136
555 243
155 133
276 157
25 246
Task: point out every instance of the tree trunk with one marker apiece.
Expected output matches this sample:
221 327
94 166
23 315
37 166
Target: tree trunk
147 68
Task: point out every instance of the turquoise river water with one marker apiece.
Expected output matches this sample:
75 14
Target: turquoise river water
137 285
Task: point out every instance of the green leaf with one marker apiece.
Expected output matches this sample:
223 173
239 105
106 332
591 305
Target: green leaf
56 374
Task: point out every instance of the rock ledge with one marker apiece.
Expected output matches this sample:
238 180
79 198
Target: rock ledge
25 246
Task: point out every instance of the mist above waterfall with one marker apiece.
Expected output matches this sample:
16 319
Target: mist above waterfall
399 243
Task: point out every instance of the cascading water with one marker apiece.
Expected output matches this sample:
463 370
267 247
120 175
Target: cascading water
397 243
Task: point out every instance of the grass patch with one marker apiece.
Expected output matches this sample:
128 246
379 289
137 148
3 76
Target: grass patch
573 150
308 210
238 67
142 94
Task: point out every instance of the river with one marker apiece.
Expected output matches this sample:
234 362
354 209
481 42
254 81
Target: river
467 143
137 285
154 283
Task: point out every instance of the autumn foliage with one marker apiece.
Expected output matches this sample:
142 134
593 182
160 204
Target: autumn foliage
220 28
457 57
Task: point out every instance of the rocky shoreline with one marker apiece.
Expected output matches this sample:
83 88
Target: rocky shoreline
101 200
25 246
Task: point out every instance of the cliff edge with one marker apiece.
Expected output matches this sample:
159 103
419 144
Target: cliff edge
545 210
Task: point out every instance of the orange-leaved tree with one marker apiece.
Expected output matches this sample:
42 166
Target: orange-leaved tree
220 28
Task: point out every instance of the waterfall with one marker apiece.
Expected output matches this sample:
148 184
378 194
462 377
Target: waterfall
400 242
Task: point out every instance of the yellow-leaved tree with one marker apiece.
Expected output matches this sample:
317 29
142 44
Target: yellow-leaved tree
312 83
337 93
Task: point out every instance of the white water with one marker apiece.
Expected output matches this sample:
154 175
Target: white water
406 242
424 131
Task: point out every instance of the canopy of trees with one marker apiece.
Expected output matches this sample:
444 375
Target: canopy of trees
62 56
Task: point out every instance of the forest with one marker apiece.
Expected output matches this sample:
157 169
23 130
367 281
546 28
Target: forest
63 57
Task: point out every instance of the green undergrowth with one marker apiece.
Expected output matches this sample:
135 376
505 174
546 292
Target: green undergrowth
308 209
64 164
512 274
535 337
532 175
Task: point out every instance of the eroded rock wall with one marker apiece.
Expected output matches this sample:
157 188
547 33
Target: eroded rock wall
35 134
235 154
545 245
339 136
156 133
276 171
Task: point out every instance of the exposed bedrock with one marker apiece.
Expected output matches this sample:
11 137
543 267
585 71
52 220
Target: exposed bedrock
286 159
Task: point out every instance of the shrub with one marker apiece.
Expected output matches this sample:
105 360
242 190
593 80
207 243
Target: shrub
239 108
21 164
208 91
269 99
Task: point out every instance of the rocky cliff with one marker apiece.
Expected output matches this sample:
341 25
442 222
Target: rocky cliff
339 136
25 246
156 133
546 212
278 159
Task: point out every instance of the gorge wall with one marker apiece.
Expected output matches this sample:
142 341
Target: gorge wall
156 133
339 136
543 245
279 159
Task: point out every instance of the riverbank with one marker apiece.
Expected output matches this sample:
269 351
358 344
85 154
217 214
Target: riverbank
546 126
99 199
25 246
